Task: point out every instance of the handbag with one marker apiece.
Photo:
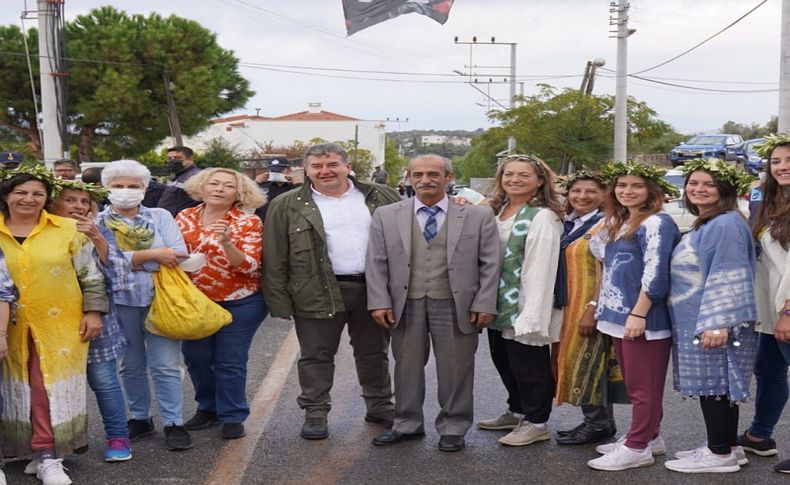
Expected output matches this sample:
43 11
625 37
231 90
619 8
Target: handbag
180 311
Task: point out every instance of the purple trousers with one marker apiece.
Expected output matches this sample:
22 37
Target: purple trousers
644 364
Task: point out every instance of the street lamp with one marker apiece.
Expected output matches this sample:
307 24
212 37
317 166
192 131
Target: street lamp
589 75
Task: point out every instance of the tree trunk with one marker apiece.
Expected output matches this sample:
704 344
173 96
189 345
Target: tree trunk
85 143
34 138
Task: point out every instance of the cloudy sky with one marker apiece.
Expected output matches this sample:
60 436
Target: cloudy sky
296 51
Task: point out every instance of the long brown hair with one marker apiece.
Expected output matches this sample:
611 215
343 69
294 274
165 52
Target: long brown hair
728 199
618 216
774 212
547 192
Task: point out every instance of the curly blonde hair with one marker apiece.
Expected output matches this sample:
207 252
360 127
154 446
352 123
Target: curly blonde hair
248 194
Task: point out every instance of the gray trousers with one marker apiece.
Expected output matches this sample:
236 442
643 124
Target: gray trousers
319 340
599 416
427 321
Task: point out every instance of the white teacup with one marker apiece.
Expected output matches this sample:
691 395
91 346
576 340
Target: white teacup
193 263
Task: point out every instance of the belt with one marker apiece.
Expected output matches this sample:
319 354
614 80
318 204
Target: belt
354 278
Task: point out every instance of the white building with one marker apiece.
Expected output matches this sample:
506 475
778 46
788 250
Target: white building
442 139
247 132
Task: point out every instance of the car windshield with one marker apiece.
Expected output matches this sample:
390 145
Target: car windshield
706 140
750 147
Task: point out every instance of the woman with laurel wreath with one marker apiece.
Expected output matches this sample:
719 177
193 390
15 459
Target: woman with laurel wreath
712 305
772 287
632 309
588 374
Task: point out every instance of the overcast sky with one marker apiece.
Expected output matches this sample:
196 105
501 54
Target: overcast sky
555 38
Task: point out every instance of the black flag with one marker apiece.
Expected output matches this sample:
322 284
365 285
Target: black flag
361 14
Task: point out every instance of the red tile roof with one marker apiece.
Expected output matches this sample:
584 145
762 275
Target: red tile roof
320 116
239 118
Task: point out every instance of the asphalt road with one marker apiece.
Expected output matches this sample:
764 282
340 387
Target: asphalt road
273 452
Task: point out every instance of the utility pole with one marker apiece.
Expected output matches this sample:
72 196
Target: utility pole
588 80
175 124
53 86
398 121
784 71
511 141
621 92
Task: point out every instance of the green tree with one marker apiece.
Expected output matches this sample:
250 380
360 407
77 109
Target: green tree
18 119
481 160
219 153
754 130
117 106
570 129
394 164
361 159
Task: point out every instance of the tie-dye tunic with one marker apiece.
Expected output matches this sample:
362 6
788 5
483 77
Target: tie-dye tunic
712 287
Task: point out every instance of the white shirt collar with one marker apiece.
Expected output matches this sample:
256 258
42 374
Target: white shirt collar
443 204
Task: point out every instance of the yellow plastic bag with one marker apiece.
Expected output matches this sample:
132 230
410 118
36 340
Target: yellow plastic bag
180 311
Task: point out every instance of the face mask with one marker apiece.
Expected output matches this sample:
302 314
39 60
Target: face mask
175 166
126 198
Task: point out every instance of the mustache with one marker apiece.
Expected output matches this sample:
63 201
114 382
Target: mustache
431 185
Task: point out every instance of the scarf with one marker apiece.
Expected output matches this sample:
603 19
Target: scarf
509 282
568 237
134 237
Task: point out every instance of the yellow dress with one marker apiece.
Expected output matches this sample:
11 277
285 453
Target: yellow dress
52 269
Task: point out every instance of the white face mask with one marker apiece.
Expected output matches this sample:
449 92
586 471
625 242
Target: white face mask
126 198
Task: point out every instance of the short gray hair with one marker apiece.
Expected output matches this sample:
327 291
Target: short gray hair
326 149
448 164
125 168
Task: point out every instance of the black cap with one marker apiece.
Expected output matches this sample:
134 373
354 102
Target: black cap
278 165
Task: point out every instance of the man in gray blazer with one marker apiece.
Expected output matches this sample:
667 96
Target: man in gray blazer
432 272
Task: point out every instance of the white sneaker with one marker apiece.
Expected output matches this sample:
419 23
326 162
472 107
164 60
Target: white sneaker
525 434
2 478
657 446
702 460
32 467
622 458
740 455
506 421
51 472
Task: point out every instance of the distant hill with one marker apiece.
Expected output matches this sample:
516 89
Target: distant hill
448 143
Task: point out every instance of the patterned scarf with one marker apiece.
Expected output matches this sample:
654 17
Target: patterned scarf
131 237
509 282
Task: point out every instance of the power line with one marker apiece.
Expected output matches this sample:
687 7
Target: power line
763 2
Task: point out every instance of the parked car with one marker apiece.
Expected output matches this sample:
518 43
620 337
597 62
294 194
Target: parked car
748 158
677 209
706 146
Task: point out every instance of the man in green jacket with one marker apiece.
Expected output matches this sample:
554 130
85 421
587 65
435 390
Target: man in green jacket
315 241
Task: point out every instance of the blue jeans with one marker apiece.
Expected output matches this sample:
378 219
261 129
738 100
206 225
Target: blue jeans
218 364
148 352
770 370
103 379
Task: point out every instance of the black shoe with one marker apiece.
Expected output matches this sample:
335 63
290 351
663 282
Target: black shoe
585 435
177 438
566 432
385 419
140 427
451 443
315 428
232 431
766 447
783 466
201 420
393 437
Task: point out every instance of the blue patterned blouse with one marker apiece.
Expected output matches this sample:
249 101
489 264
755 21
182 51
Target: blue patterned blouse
712 288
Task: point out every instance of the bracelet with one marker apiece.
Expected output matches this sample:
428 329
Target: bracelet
592 303
643 317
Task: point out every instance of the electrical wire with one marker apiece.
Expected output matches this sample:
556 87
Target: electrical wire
763 2
32 80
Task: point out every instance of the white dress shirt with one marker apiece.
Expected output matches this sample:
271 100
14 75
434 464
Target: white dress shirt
346 224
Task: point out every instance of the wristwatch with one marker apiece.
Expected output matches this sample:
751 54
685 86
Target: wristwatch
592 303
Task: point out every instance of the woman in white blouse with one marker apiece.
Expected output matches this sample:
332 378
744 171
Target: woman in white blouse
530 227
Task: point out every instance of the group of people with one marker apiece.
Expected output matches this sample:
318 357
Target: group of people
584 299
100 263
